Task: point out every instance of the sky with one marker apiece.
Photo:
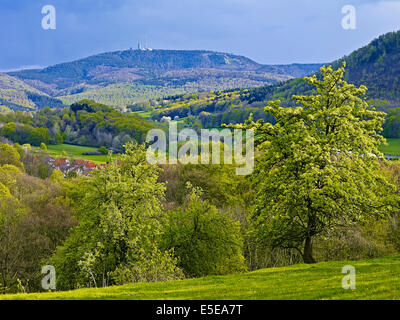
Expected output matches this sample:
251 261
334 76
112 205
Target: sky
267 31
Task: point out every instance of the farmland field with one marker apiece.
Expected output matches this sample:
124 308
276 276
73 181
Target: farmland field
76 152
392 147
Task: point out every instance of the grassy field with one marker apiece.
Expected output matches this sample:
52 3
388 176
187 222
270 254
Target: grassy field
392 147
375 279
143 114
76 152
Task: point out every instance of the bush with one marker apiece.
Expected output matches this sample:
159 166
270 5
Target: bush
154 267
10 155
103 150
394 231
367 240
205 241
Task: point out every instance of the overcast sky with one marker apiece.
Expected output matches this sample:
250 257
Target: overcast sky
267 31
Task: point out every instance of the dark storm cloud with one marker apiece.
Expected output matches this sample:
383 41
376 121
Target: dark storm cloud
282 31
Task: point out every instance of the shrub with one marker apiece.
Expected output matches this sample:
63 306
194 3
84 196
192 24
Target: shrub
205 241
150 267
43 146
103 150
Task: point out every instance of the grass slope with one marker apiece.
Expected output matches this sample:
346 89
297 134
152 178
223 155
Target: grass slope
392 147
74 151
375 279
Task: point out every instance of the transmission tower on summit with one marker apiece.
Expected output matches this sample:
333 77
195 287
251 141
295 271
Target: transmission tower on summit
145 48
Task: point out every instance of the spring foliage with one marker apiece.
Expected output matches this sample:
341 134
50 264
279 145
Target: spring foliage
120 220
319 168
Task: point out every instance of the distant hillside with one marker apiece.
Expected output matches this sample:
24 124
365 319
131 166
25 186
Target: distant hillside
295 70
85 123
376 65
151 74
122 94
17 95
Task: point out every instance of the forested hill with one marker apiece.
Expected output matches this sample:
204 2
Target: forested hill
85 123
17 95
150 66
125 77
376 65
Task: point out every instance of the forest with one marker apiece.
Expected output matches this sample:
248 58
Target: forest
85 123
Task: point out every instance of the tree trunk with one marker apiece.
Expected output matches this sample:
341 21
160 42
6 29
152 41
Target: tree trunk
307 255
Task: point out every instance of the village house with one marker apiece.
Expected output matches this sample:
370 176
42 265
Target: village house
66 166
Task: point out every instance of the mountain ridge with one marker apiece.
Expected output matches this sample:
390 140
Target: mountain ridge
153 71
375 65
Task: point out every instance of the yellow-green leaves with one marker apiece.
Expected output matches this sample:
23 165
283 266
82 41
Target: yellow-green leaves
319 164
4 192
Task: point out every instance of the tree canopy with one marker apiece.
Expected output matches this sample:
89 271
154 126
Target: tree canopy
319 165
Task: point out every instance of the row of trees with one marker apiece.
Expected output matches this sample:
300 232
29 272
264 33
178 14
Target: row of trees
21 133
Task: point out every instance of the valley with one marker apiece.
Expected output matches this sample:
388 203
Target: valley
315 215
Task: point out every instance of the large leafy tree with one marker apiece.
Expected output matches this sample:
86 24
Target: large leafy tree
9 155
319 165
120 220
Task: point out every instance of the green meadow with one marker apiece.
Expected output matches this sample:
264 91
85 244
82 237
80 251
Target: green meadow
375 279
392 147
74 151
